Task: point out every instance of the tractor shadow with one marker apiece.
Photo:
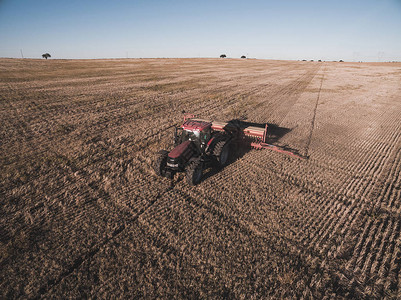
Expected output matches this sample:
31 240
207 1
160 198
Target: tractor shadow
242 147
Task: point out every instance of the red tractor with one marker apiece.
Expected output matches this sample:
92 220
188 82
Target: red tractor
200 144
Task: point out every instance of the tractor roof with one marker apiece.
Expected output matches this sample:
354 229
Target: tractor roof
195 125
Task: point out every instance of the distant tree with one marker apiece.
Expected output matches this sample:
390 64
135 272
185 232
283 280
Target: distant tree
311 60
319 60
243 56
223 56
341 60
46 55
304 60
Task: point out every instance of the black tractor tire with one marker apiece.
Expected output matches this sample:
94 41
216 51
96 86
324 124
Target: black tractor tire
221 152
160 163
193 172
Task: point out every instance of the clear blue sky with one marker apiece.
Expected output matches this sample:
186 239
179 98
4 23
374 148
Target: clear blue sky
330 30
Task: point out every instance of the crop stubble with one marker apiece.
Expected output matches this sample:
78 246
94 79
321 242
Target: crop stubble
84 215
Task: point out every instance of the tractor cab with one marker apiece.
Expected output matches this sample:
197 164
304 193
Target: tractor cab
195 131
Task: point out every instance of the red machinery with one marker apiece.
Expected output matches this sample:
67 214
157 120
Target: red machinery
202 143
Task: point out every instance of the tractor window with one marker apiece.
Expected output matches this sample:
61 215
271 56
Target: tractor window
190 135
205 136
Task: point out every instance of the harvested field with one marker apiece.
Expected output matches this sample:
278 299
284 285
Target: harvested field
84 215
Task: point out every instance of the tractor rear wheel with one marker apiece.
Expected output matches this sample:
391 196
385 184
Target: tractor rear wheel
221 152
161 163
193 172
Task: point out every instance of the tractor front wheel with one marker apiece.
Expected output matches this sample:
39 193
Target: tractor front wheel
193 172
161 163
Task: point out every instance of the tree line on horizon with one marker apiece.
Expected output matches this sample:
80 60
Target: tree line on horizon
224 56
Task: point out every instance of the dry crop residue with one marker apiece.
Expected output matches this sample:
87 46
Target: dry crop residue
84 215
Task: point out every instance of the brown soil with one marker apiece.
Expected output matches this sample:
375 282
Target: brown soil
84 215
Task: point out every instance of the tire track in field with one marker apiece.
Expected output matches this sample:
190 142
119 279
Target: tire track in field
293 96
81 260
281 100
313 118
71 212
